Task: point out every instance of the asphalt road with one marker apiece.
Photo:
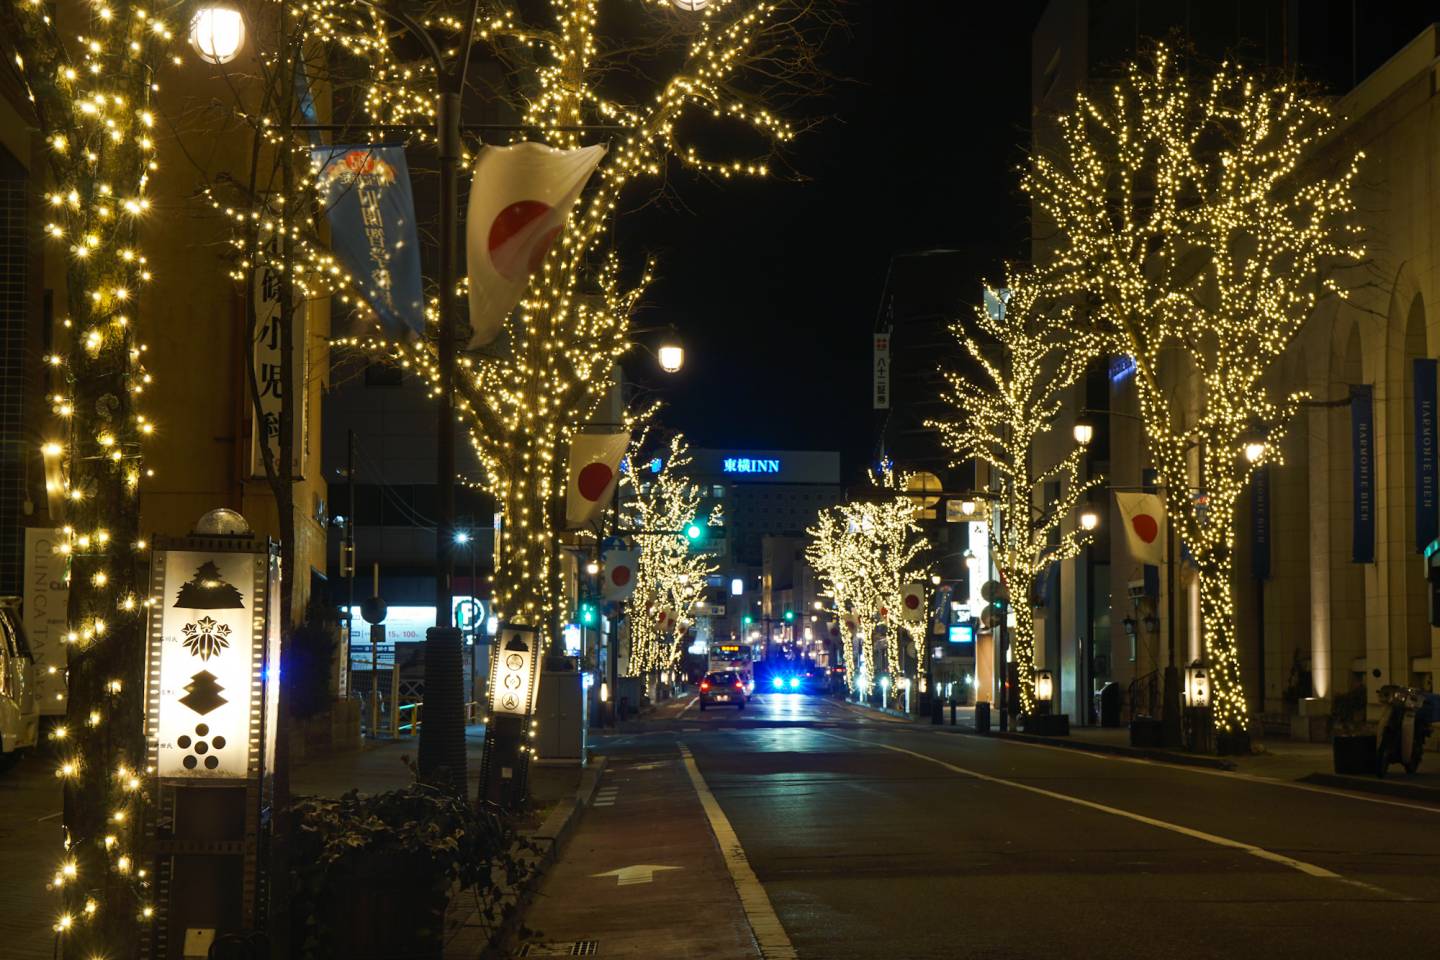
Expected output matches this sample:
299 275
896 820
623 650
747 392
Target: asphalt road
869 838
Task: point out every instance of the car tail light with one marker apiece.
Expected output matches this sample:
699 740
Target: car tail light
739 685
704 685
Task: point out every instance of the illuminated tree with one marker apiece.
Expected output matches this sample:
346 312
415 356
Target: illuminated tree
730 63
1182 212
864 553
1025 359
671 574
92 97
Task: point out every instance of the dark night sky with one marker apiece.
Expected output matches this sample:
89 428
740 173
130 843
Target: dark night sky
774 285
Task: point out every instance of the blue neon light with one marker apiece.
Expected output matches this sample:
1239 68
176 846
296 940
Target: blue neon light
1121 368
751 465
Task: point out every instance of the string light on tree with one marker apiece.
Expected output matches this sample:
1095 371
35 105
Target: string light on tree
1182 215
1026 357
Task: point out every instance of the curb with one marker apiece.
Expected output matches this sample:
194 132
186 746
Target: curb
863 708
1117 750
1388 788
550 838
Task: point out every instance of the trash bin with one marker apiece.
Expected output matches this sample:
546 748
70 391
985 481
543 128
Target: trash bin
1107 705
982 717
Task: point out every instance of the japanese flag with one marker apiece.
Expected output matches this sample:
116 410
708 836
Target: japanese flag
912 602
594 467
519 201
665 619
1144 526
619 575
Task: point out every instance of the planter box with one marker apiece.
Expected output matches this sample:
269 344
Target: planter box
1354 754
1046 724
1147 732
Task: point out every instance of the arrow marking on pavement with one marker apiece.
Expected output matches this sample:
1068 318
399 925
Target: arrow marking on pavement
635 873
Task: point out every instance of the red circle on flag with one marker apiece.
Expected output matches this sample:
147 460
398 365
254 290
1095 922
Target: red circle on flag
593 479
620 576
509 223
911 601
1146 527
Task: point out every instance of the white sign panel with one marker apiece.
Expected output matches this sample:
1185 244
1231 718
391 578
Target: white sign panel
44 617
882 371
514 671
268 378
211 652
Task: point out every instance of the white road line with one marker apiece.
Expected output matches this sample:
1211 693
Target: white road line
770 936
1235 775
693 700
1254 851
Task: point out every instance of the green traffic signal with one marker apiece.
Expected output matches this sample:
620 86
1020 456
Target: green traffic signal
694 531
748 620
587 614
789 616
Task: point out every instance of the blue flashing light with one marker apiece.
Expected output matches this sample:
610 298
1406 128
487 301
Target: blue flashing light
794 683
777 682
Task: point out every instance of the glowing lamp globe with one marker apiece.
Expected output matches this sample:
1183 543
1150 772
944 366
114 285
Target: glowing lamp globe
1254 450
1089 519
691 6
1084 431
1044 686
671 356
592 568
217 32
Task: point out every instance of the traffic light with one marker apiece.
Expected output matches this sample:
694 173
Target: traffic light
747 620
695 529
588 614
789 616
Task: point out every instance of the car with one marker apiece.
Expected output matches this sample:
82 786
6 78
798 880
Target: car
796 679
723 688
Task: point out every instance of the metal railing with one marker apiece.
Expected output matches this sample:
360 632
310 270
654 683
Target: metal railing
1143 696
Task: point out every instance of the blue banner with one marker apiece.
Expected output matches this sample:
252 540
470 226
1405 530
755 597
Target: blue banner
1260 523
1362 445
366 189
1426 525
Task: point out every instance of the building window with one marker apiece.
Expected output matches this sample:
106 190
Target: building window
383 375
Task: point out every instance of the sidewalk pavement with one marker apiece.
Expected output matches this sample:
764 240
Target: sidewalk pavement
1273 759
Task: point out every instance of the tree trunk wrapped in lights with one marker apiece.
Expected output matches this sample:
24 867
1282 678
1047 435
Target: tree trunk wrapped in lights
95 112
1026 359
522 399
1181 210
864 553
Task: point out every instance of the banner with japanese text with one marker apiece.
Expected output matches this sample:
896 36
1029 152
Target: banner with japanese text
1362 444
270 383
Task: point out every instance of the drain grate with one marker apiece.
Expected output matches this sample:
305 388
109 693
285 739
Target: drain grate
579 948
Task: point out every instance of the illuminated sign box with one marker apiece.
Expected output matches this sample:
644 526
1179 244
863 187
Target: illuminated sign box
962 633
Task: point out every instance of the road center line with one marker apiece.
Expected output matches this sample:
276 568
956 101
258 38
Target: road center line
770 936
1309 869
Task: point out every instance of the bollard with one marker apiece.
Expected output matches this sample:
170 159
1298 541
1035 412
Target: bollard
952 711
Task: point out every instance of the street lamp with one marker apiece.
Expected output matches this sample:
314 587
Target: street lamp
462 537
1044 686
691 6
1254 450
967 507
217 32
593 568
1089 518
671 355
1084 431
935 579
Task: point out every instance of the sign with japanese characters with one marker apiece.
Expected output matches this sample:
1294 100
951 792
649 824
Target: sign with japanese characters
269 378
205 708
882 370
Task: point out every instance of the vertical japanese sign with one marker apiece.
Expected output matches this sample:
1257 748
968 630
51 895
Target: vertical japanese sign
1426 514
514 671
45 598
882 370
207 662
371 209
1362 443
269 379
1260 523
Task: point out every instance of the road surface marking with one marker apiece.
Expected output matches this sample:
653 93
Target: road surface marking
605 797
770 936
1306 868
635 873
693 700
1235 775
